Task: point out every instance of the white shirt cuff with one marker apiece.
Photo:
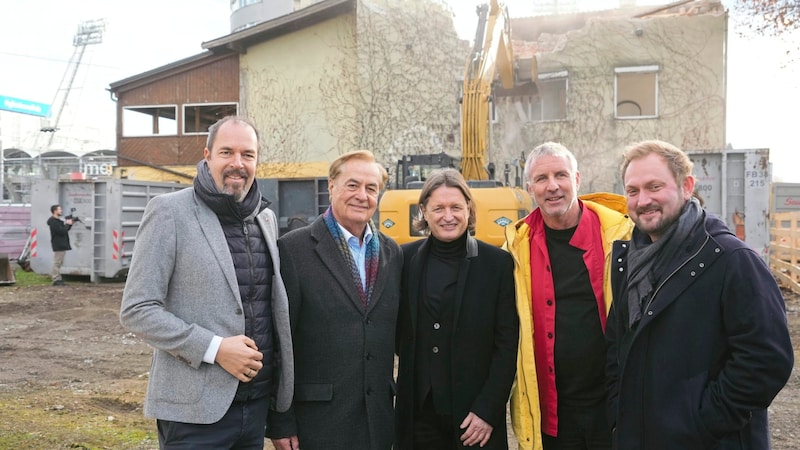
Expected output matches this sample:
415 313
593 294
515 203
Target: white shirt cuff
211 351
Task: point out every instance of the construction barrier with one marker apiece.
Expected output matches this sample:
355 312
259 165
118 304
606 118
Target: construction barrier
784 249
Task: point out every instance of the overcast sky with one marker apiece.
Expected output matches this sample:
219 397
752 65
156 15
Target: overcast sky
36 46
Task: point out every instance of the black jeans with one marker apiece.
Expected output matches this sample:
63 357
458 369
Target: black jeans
242 428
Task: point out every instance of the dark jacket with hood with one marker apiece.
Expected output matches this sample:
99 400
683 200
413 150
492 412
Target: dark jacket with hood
709 354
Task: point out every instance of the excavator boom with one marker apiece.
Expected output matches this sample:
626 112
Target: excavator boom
492 54
496 205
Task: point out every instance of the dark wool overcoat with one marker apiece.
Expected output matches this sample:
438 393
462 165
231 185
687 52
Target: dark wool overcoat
710 353
344 354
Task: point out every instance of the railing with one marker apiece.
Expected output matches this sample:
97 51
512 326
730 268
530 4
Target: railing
784 249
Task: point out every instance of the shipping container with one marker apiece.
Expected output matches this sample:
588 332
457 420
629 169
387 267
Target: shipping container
735 185
107 215
785 197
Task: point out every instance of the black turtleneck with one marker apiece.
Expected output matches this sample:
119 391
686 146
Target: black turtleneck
441 275
436 321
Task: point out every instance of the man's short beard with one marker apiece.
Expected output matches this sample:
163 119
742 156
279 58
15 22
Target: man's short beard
238 196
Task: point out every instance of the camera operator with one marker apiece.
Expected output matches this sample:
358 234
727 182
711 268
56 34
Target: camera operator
59 238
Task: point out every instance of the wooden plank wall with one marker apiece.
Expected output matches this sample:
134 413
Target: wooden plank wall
784 249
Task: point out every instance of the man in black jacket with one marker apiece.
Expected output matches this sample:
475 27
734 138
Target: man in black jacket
698 339
59 238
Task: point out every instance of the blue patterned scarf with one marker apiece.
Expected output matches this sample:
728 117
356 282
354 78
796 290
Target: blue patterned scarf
370 259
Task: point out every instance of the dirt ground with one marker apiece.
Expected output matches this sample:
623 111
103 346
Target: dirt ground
71 377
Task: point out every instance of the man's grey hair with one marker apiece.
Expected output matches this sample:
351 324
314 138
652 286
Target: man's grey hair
549 149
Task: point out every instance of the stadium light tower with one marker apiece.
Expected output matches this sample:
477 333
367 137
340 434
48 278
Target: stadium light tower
90 32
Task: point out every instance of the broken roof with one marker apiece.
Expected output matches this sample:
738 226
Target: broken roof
527 30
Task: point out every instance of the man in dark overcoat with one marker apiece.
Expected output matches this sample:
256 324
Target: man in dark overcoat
343 281
698 338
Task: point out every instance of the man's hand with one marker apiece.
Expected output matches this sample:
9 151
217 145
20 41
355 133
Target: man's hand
240 357
477 431
290 443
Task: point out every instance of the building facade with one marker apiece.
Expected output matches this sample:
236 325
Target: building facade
610 78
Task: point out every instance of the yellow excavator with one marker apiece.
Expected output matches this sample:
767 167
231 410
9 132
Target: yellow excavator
497 203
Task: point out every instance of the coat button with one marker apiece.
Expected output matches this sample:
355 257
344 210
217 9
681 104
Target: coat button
436 326
549 335
238 311
435 349
621 269
549 303
693 273
716 250
619 260
702 265
624 245
649 313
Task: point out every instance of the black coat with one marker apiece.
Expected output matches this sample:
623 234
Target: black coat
709 354
59 236
343 356
483 356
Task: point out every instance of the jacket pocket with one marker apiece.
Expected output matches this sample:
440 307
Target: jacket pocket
322 392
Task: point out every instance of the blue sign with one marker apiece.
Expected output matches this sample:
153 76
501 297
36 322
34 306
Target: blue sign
24 106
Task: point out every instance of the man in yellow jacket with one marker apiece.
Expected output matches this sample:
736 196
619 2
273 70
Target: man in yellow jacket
561 274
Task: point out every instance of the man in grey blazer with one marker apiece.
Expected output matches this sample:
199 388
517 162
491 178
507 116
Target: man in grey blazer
343 280
205 290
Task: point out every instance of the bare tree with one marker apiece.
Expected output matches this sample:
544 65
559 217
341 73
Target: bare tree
777 19
770 17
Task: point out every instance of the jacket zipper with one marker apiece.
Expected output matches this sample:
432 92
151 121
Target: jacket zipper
652 297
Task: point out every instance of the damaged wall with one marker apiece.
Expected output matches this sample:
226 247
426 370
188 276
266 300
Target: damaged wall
686 48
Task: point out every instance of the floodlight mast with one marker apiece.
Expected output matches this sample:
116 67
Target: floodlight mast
90 32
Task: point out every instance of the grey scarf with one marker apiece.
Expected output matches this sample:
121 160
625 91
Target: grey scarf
647 260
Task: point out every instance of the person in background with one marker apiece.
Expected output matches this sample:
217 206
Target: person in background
343 280
561 251
59 239
205 291
698 338
457 328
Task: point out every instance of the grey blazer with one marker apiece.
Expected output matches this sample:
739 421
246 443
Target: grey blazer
181 291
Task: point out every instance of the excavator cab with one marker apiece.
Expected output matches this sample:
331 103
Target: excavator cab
415 168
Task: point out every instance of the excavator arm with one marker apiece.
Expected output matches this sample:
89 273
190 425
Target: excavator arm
492 54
